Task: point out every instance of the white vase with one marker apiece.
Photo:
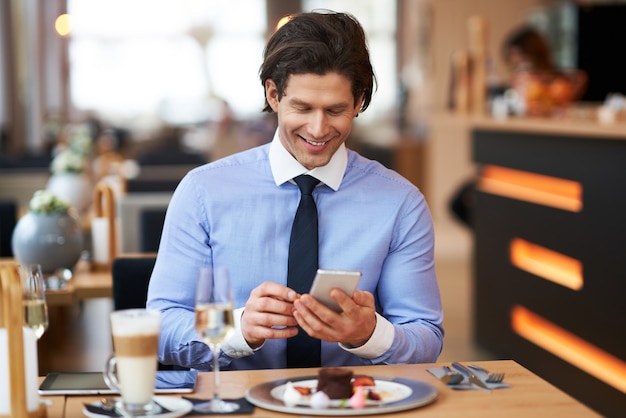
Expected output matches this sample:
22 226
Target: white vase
73 188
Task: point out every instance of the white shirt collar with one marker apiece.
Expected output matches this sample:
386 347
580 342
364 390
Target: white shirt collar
285 167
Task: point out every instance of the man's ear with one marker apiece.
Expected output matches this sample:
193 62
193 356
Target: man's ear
271 94
357 108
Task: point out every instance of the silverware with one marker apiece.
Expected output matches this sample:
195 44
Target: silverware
451 377
471 376
494 378
491 377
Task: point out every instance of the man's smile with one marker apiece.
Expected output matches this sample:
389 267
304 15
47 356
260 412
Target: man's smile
314 143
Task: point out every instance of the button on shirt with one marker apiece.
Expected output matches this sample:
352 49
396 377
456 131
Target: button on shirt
237 212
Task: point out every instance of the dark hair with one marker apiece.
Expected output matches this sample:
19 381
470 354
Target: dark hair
319 43
533 45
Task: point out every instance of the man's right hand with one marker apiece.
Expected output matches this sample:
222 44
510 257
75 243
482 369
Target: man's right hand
268 314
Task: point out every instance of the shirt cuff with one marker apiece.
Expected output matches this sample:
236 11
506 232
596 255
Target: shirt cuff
379 342
236 346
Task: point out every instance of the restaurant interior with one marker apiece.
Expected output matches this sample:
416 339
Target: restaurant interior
530 265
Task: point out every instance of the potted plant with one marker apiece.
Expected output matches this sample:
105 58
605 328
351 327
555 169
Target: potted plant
70 180
48 234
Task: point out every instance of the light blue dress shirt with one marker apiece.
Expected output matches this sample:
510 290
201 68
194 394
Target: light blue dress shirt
237 212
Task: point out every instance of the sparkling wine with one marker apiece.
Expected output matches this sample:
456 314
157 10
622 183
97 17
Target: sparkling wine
214 322
36 315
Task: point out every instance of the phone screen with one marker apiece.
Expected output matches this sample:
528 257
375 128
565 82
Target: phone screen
92 383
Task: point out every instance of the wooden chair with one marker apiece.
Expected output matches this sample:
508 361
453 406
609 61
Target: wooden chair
12 318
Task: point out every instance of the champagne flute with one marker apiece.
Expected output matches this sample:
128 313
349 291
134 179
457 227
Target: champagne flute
214 324
34 298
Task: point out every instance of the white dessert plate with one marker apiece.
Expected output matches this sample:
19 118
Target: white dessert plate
177 408
398 394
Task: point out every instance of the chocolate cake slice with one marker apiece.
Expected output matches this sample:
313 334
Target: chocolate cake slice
335 382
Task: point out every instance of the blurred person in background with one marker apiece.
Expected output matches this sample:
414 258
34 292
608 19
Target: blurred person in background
544 88
525 49
538 88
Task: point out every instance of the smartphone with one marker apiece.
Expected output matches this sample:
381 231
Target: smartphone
325 280
92 383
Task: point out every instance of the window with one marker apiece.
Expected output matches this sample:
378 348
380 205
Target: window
175 60
166 59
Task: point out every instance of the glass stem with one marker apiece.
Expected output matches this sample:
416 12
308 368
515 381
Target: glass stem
215 348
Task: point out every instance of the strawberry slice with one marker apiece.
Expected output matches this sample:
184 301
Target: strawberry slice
373 396
303 390
363 380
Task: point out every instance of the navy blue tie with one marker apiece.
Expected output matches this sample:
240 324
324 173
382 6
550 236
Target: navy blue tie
302 350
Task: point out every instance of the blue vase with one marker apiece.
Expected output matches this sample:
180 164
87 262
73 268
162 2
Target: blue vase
53 240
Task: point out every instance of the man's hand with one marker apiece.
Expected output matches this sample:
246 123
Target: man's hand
353 326
268 314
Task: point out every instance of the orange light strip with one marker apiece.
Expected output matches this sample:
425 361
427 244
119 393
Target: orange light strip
531 187
569 347
547 264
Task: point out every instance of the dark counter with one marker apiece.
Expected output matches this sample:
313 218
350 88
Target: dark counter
572 337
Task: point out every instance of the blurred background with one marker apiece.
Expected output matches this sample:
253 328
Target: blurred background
149 75
161 86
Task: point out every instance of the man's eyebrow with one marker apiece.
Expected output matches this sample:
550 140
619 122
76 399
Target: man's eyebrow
294 101
297 102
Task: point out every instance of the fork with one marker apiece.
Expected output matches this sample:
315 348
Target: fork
491 377
494 377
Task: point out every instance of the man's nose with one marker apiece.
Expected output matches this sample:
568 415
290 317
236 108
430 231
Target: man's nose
319 125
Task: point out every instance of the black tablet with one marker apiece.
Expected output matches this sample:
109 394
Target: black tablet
92 383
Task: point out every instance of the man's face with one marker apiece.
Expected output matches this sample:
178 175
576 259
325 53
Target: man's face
314 115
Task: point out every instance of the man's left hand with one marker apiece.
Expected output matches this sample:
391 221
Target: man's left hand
353 326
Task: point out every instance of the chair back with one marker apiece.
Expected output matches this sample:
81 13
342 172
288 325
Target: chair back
151 228
131 276
8 220
130 208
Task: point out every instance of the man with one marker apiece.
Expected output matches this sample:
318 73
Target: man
238 212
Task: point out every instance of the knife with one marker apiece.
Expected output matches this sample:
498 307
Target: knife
473 379
451 377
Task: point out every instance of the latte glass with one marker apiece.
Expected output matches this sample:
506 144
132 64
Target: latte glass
132 369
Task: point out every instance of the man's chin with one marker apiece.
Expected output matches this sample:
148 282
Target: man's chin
313 162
